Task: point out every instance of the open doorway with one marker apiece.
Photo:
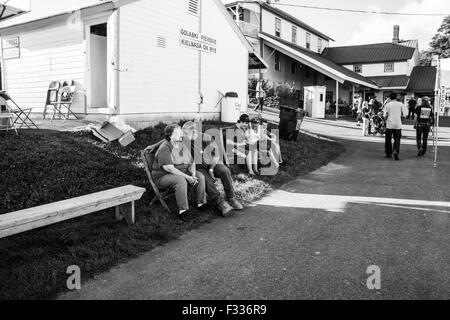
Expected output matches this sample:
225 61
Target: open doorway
98 65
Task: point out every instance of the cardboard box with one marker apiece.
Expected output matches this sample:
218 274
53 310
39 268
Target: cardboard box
126 139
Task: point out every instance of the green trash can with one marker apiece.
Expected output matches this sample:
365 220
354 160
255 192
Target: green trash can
288 126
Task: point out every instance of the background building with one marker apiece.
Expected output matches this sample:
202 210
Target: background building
293 51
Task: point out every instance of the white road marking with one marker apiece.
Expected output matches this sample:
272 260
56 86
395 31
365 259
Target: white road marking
337 203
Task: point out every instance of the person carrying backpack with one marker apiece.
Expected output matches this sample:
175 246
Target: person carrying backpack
423 121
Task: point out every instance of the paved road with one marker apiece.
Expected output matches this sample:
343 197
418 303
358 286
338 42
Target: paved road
313 239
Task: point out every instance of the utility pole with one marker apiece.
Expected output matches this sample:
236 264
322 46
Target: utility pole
437 102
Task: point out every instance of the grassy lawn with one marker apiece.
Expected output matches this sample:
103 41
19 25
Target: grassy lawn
40 167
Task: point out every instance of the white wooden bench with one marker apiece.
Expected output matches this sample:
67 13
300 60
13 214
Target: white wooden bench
32 218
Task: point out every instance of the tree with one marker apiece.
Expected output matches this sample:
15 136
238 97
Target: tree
439 45
425 58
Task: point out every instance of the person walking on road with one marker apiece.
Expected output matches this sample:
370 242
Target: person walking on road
366 118
412 108
358 108
424 119
393 113
260 95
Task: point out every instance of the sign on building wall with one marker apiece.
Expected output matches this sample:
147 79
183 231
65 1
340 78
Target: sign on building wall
197 41
11 48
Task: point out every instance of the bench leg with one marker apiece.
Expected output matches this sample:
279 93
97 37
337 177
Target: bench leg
126 213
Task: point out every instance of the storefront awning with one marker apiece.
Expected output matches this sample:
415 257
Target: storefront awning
256 62
7 11
317 62
422 79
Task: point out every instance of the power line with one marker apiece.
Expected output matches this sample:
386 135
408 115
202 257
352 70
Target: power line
361 11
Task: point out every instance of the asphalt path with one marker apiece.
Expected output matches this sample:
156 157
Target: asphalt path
315 238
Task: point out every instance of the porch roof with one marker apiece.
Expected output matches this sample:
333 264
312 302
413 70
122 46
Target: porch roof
7 11
256 62
317 62
391 82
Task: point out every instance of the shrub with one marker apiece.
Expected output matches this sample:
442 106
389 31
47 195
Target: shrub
288 95
252 82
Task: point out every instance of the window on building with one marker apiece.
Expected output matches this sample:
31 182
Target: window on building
319 46
277 61
294 35
193 7
357 68
388 67
307 72
277 27
308 41
294 66
329 96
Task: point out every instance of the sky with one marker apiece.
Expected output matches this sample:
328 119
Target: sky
345 28
358 28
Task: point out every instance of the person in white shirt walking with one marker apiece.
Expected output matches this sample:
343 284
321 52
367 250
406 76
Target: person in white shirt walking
393 113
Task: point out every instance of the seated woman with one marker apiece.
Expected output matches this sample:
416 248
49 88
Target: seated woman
268 144
252 137
174 168
236 145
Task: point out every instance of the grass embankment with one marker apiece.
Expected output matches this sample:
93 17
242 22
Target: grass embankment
40 167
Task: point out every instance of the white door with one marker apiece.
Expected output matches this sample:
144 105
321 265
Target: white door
99 66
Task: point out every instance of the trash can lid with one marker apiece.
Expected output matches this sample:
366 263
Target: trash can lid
231 95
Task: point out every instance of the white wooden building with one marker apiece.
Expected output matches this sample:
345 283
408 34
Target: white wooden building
145 60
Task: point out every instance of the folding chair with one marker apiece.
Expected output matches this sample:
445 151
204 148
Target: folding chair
65 99
148 157
52 96
22 115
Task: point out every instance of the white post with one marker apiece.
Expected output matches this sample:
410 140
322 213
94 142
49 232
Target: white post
353 94
337 99
437 101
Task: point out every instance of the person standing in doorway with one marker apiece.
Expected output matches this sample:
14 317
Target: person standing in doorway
393 113
424 119
260 95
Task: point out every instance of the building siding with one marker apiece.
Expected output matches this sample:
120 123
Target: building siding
155 79
268 26
377 69
48 53
167 79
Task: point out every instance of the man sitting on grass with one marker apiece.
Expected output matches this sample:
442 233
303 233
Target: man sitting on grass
206 156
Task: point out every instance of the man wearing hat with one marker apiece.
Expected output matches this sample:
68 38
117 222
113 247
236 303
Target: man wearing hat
424 119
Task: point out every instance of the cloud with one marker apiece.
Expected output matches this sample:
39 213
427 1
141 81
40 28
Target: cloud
379 28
